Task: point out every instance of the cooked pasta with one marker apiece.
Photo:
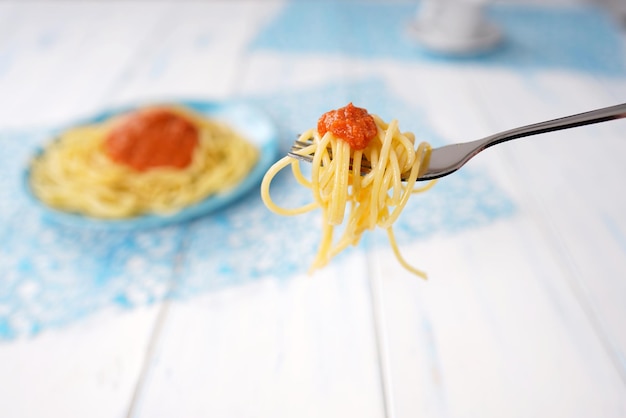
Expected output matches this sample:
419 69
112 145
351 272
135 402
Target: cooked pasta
76 173
370 200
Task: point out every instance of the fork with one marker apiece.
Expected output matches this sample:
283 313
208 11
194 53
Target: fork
449 158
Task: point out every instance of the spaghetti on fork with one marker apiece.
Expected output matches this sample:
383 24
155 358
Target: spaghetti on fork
346 139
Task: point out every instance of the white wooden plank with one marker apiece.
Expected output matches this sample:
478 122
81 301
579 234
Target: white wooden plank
202 58
502 327
304 347
68 56
104 54
87 369
495 331
580 199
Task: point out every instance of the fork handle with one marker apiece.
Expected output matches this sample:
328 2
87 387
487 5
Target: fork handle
580 119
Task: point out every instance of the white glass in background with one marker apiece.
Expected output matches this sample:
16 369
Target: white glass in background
454 26
617 8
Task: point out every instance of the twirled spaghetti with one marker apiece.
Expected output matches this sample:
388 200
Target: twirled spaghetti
372 199
78 173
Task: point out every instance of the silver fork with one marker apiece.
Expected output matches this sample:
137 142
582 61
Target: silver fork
449 158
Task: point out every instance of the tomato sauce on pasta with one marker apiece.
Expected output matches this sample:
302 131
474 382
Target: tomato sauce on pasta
349 123
152 138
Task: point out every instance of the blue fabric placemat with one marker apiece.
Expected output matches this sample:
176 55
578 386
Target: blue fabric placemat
581 38
53 275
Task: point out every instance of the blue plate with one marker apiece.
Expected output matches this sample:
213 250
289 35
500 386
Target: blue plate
251 122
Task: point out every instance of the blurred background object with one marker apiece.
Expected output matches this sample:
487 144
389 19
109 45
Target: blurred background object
454 27
463 27
617 7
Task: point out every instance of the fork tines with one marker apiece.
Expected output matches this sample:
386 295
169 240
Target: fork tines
299 145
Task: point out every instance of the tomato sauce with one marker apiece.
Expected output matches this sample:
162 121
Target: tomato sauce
152 138
351 124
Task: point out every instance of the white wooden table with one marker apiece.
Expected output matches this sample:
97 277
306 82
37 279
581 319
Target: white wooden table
524 312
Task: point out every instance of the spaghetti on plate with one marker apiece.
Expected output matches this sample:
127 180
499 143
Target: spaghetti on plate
155 160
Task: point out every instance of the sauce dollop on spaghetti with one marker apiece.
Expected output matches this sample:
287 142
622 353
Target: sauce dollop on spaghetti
351 124
152 138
